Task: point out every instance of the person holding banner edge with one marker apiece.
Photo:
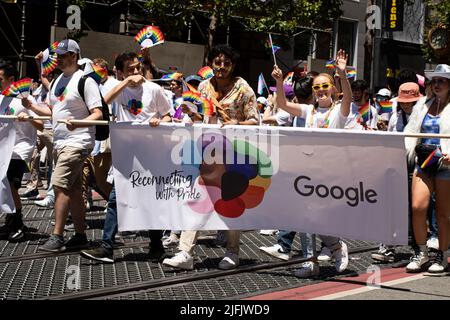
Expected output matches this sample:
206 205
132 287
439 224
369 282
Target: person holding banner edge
26 134
432 172
235 103
327 112
138 100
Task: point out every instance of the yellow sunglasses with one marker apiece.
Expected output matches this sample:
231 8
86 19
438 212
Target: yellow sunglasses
324 86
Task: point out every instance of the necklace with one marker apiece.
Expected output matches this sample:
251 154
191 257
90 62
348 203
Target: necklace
326 121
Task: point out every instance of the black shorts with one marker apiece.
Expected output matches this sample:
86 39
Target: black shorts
16 170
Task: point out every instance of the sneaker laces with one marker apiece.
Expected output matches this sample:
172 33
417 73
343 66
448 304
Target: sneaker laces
438 258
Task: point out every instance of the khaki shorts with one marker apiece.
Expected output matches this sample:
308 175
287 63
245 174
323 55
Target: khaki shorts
69 167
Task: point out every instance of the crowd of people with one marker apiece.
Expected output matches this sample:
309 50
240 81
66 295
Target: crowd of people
77 163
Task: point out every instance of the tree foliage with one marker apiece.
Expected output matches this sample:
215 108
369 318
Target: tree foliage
281 16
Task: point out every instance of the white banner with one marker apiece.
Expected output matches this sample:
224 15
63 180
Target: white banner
333 182
7 139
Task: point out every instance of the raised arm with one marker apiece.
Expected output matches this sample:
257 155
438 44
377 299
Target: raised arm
341 65
293 108
131 80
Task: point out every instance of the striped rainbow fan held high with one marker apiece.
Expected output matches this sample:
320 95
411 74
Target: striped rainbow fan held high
149 36
19 89
49 62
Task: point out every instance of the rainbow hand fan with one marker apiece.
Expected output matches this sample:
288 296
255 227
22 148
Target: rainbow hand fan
49 62
11 91
197 103
206 73
95 72
432 158
23 86
172 76
149 36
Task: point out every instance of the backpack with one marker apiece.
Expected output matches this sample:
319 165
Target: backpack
101 131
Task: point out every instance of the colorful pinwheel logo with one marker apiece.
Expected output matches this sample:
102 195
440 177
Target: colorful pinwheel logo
229 187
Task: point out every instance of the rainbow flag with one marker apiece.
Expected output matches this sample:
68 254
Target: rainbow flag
261 84
198 103
432 158
351 72
206 73
149 36
364 112
289 79
95 72
385 106
330 64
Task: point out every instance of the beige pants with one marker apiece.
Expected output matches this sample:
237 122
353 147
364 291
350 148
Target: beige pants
188 240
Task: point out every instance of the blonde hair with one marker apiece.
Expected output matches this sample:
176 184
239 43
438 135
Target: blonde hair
330 78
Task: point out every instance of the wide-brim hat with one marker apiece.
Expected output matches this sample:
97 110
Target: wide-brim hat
409 92
442 70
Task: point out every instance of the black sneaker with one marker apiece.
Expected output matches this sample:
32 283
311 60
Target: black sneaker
30 194
156 255
16 227
77 242
54 244
384 255
5 229
99 254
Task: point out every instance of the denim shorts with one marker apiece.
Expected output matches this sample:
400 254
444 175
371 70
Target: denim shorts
442 174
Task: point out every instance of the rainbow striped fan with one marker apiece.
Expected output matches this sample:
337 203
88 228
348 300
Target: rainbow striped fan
149 36
206 73
197 103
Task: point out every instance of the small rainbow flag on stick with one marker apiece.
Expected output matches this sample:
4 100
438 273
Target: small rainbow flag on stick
432 158
364 112
385 106
197 103
330 64
95 72
351 72
206 73
149 36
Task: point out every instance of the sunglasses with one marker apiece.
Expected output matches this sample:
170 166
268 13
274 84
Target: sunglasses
323 86
439 81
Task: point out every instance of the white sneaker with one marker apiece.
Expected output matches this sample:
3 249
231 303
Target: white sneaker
440 263
433 243
172 241
46 202
268 232
417 262
325 254
230 261
307 270
181 260
276 251
341 257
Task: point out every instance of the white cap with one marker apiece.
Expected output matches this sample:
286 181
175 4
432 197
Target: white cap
384 92
262 100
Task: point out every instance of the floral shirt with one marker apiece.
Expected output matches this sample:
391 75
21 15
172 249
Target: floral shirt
239 104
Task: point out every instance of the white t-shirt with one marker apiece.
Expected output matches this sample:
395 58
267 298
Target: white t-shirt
352 119
25 132
142 103
284 118
105 88
66 102
317 119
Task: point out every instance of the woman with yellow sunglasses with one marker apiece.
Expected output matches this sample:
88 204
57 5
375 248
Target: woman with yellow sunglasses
327 112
